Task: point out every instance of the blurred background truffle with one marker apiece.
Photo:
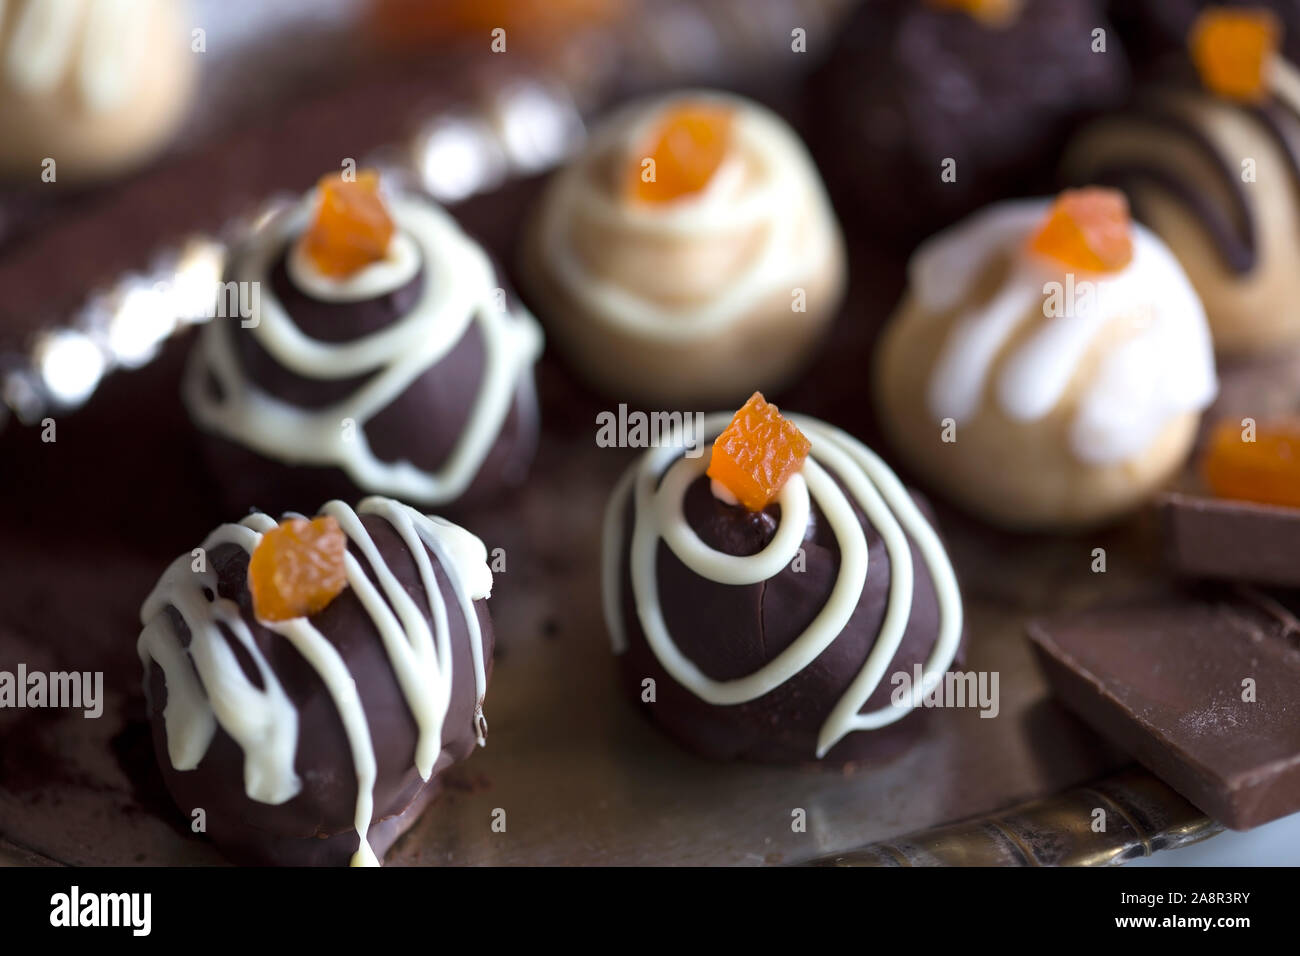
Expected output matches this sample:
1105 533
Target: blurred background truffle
915 84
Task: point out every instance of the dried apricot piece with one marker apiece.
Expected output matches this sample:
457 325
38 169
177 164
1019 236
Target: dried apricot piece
351 228
993 12
297 568
681 154
412 24
1233 50
1087 229
757 453
1266 470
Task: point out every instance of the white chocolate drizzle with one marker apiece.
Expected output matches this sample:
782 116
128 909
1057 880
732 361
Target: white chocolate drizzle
1164 369
768 182
100 42
460 287
657 485
207 687
399 266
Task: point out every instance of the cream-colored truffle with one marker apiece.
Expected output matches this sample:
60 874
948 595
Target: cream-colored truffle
695 301
1220 183
1038 398
98 86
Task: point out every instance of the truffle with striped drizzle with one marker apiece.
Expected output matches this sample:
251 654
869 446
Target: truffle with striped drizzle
1219 182
774 635
318 739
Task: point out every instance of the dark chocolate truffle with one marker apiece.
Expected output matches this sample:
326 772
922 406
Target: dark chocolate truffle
911 86
779 635
317 739
411 377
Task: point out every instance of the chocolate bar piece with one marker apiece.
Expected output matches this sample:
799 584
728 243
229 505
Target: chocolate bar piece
1233 540
1204 692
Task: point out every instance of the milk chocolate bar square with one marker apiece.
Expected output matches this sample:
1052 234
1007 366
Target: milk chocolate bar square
1232 540
1205 692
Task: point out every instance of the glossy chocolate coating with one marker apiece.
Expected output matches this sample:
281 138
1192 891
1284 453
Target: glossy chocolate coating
731 631
317 826
422 425
911 86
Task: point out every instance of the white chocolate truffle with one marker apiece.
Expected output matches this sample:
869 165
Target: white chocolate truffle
1038 398
96 85
1220 183
701 299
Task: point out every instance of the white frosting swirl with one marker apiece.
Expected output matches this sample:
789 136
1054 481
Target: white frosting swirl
657 485
1164 369
460 287
207 688
102 42
399 266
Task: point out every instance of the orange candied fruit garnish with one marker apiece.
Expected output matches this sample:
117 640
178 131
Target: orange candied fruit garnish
1087 229
757 453
297 568
994 12
1233 49
351 228
687 145
411 24
1266 470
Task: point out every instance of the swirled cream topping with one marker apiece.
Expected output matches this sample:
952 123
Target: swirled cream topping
684 268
